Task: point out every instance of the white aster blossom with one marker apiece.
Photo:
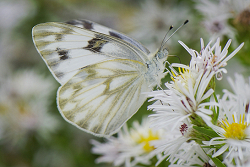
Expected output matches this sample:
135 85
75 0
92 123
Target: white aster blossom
218 27
210 58
234 133
190 86
218 13
240 10
215 18
23 107
190 154
240 89
181 101
234 111
173 141
159 19
12 12
131 147
187 102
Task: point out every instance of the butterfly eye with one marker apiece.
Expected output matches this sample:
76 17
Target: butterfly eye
162 54
165 53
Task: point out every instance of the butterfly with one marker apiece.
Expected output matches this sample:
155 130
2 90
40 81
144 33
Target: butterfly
103 73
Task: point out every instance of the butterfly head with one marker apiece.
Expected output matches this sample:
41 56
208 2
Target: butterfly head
162 54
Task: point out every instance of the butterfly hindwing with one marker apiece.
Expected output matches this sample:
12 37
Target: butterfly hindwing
66 48
101 97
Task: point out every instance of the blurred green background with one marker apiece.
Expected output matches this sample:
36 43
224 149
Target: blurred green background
32 132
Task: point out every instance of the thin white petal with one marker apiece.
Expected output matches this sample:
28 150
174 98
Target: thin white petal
203 116
207 94
220 151
232 54
206 111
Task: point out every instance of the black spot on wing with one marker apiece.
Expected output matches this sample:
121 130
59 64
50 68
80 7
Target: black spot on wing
129 40
114 34
72 22
88 25
64 56
95 44
59 74
62 53
82 24
59 37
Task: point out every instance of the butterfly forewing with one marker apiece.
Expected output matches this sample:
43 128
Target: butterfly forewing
66 48
101 97
89 25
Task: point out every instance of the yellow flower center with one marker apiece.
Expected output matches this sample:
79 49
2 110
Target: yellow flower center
235 130
183 77
146 139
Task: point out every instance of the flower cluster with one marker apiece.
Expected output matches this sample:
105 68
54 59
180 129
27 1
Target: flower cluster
23 108
217 128
159 20
131 146
233 125
198 128
222 18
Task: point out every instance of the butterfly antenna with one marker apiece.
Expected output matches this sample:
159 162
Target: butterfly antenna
163 43
165 40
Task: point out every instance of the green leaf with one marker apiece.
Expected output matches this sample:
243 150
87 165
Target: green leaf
216 111
217 162
208 132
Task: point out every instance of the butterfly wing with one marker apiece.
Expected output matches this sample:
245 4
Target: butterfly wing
100 98
66 48
89 25
102 76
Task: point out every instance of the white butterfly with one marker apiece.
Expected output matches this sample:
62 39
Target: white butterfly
102 73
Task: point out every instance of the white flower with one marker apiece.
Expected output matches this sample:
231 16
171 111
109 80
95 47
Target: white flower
24 99
240 89
240 10
181 101
234 133
218 27
218 13
210 58
110 151
190 154
12 12
172 142
130 148
150 27
215 18
179 149
212 8
187 100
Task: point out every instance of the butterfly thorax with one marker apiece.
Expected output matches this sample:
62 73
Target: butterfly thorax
156 67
